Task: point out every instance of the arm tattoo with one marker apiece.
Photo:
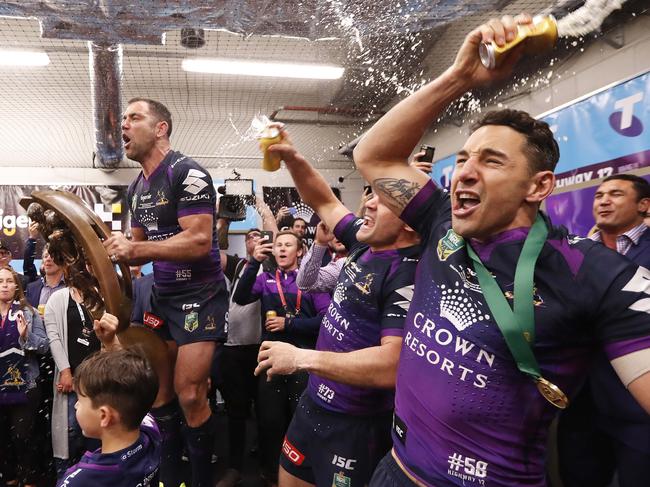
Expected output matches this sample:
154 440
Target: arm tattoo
399 191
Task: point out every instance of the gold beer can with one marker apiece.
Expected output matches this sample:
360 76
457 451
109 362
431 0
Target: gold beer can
271 314
538 37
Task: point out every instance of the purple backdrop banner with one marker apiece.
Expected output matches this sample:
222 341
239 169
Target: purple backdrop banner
573 209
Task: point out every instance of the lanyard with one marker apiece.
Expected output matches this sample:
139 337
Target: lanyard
282 298
517 324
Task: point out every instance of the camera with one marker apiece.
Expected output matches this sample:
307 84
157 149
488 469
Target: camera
236 195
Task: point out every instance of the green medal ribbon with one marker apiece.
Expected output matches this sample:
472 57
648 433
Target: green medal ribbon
517 324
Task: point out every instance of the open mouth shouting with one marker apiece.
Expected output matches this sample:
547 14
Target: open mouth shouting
465 203
127 141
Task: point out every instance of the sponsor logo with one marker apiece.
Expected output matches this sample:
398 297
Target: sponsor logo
346 463
113 217
339 293
145 197
191 321
400 429
341 480
130 453
194 181
292 453
467 468
624 122
198 197
185 307
152 321
450 243
459 308
640 283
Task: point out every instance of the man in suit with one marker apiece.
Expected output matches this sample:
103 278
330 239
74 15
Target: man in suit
605 430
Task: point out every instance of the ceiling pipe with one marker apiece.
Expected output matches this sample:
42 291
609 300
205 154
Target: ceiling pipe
352 112
105 91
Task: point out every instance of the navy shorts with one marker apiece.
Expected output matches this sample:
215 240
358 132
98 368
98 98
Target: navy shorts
389 474
190 314
326 448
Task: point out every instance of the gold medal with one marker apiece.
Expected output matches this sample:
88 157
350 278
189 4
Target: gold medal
552 393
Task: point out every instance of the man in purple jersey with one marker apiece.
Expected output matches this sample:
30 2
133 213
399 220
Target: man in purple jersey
467 412
341 428
173 216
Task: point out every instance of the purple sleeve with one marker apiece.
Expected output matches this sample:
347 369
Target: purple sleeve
624 347
195 210
346 230
258 287
193 189
427 207
250 285
321 301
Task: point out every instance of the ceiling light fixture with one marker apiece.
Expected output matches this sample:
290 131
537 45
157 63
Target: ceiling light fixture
262 68
23 58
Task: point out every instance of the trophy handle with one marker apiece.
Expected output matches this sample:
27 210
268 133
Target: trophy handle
89 231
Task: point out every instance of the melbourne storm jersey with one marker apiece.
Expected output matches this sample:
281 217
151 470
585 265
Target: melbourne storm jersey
464 413
136 465
178 187
370 301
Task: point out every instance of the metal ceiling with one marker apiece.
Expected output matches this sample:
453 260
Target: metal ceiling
386 47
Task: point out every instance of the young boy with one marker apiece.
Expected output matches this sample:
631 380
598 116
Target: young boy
116 388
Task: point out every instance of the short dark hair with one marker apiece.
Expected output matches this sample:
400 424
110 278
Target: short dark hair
161 112
541 147
641 185
299 218
251 230
122 379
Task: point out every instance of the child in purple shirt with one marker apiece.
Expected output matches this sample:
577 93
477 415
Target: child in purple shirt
116 388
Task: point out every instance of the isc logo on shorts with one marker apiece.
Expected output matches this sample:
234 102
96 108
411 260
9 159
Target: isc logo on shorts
152 321
292 453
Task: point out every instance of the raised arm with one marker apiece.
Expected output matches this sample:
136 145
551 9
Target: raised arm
382 154
313 187
268 220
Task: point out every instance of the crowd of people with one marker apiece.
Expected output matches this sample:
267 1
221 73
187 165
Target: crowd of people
430 338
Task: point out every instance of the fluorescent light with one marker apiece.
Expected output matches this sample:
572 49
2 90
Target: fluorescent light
23 58
262 68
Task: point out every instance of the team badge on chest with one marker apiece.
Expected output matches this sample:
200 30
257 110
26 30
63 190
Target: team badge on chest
449 244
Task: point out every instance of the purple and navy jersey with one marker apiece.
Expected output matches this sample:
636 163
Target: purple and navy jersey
136 465
178 187
300 330
370 301
464 413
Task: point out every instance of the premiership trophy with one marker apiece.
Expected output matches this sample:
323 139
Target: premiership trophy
75 235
